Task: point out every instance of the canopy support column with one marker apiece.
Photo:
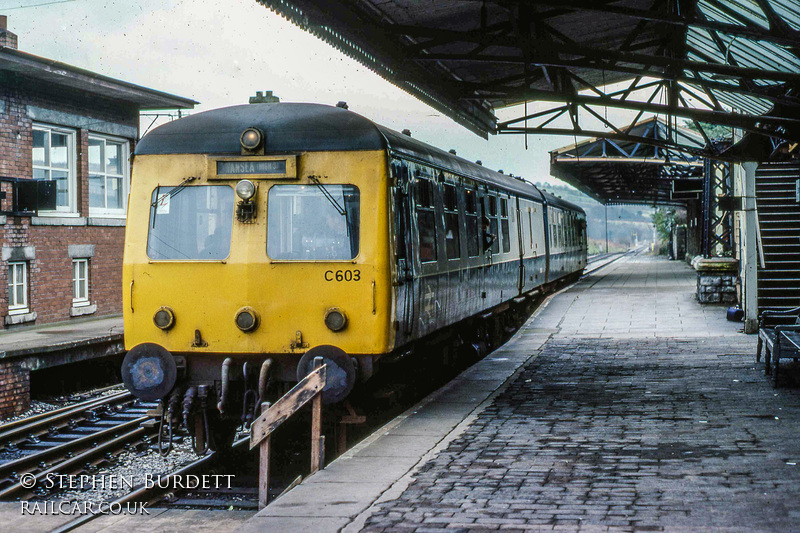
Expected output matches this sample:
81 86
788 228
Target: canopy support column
749 252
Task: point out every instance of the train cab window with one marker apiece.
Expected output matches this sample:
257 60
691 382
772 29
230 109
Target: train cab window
473 228
312 223
193 223
504 225
451 225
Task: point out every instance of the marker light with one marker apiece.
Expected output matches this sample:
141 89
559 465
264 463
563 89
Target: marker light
245 189
335 319
164 318
246 319
251 139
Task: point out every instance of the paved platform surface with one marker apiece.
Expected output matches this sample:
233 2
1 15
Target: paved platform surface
48 338
629 407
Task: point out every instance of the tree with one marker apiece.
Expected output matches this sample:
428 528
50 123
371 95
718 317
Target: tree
715 132
664 220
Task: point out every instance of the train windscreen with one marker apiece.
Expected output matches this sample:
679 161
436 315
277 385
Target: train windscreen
313 222
190 223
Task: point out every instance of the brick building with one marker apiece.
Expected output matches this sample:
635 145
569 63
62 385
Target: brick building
78 129
61 241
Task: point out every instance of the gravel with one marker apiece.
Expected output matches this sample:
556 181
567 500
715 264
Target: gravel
113 480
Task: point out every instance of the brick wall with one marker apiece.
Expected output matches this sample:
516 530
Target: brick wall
15 396
50 271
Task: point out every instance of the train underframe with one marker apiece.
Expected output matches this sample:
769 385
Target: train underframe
216 395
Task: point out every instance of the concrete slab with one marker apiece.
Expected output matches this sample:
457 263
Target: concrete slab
401 446
34 339
287 524
12 520
170 521
326 499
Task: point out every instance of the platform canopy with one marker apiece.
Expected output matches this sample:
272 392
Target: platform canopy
729 62
629 172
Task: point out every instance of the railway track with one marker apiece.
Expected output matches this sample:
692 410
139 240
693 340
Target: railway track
144 494
69 440
596 262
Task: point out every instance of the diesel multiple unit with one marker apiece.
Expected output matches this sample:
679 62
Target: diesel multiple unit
264 235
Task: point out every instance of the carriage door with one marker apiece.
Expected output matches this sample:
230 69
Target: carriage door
520 222
406 301
428 250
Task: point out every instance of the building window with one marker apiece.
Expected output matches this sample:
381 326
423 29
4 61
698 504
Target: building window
54 159
17 288
80 282
108 175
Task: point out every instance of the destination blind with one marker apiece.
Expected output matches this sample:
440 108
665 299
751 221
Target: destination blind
251 167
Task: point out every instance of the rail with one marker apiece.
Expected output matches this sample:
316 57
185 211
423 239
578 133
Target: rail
43 421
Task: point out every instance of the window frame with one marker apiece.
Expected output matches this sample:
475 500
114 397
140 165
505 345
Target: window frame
154 195
71 209
270 227
78 300
126 179
452 212
425 189
16 308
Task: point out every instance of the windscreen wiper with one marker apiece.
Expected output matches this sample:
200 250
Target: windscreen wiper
173 191
328 195
169 194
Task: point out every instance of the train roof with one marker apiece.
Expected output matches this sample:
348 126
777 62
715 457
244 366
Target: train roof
297 127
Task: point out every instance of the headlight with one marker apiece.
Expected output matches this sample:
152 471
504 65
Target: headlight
164 318
245 189
251 139
246 319
335 319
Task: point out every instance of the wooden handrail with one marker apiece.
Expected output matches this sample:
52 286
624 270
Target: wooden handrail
272 416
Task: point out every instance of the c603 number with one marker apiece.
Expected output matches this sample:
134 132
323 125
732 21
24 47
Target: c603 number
342 275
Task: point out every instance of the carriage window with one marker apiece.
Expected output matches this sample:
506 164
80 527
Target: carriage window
450 198
473 228
471 203
424 193
504 225
490 207
426 224
190 223
451 225
311 223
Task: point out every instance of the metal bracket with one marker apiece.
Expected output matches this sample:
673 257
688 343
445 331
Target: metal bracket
298 341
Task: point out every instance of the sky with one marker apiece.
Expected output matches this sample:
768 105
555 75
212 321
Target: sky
220 52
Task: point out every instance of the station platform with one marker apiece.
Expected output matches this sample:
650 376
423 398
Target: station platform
72 340
622 405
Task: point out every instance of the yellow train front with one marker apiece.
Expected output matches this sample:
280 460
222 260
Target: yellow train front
243 248
262 236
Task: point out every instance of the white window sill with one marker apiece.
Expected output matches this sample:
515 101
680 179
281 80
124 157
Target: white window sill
67 214
58 220
12 320
107 220
82 310
18 310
